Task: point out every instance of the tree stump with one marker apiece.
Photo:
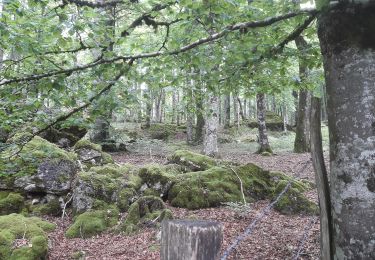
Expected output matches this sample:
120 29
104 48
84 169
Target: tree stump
190 240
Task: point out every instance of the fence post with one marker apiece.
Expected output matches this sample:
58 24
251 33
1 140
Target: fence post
191 240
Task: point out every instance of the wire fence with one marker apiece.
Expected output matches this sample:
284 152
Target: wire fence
303 239
263 214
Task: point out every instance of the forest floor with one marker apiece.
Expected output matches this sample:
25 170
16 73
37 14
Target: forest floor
276 236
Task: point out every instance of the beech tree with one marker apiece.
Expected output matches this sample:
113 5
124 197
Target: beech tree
347 44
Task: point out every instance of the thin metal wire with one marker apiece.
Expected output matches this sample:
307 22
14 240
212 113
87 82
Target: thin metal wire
304 237
259 217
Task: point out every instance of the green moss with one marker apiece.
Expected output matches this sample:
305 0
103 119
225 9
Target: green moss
26 162
192 161
293 201
33 229
107 158
52 208
12 203
84 143
266 153
146 210
91 223
155 173
161 131
217 185
125 197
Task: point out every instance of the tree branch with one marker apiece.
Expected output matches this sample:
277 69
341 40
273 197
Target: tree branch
211 38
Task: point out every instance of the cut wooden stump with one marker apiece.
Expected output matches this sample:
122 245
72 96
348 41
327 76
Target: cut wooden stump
191 240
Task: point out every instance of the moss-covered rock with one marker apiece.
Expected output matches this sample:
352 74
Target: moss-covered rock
157 179
15 226
11 203
293 201
94 222
110 183
274 122
212 187
161 131
52 208
91 154
147 210
39 166
192 161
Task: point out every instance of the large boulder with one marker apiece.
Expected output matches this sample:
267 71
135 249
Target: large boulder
37 166
220 184
23 238
109 183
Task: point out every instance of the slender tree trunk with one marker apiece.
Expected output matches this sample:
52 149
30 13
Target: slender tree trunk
199 128
264 145
178 112
295 96
321 180
302 141
241 111
210 147
235 110
347 41
227 111
244 109
174 105
148 108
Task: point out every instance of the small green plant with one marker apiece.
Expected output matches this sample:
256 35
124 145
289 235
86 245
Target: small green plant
241 209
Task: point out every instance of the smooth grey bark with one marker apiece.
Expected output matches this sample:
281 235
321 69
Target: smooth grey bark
227 111
210 147
347 41
321 180
264 145
148 113
189 113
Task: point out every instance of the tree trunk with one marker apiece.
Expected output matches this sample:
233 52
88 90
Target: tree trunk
210 130
241 111
321 180
302 140
199 128
190 240
174 107
227 111
235 110
264 145
347 42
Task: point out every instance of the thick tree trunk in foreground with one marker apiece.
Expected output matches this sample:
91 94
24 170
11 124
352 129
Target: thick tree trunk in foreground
227 111
348 47
264 145
321 180
190 240
210 130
